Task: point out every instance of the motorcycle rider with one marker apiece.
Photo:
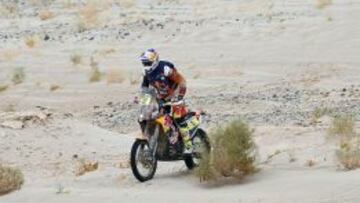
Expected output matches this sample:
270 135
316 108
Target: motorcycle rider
169 83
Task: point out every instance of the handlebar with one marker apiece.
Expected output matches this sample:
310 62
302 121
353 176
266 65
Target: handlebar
171 103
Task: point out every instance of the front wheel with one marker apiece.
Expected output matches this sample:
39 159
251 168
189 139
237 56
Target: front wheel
143 164
201 146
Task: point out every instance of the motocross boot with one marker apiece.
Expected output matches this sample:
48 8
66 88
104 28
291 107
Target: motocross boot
188 146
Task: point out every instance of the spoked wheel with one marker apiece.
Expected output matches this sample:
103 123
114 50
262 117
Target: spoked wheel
201 147
143 165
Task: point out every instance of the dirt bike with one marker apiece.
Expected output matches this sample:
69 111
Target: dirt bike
161 140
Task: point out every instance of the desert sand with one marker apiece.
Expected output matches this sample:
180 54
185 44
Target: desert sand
272 62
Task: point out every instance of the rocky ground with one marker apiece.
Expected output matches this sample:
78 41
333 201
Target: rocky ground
277 106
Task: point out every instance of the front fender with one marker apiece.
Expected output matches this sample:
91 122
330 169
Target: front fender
164 123
141 136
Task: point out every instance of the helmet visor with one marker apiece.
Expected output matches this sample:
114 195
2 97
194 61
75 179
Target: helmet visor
147 63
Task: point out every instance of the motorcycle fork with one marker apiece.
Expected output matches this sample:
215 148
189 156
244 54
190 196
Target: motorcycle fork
153 141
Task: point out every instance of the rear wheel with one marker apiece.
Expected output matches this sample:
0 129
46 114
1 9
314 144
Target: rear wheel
201 146
143 164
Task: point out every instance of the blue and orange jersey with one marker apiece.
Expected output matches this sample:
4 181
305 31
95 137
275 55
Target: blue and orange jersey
166 79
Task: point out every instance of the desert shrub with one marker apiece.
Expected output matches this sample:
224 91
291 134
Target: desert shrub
233 155
206 171
85 166
18 76
319 112
115 76
45 15
41 3
54 87
88 17
349 153
310 163
127 3
76 58
10 54
10 179
9 8
322 111
342 127
3 87
31 41
95 75
321 4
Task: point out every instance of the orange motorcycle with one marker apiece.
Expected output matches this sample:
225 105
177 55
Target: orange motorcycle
161 140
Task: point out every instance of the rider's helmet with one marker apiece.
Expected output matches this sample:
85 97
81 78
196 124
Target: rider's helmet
149 59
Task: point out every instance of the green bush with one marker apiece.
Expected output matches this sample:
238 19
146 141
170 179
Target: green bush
233 153
205 171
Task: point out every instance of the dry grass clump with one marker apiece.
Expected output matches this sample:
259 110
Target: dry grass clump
123 164
348 152
9 8
10 179
115 76
45 15
95 75
18 76
321 4
68 4
76 58
319 112
127 3
3 87
322 111
342 127
10 54
88 17
310 163
234 153
85 166
31 41
41 3
205 170
54 87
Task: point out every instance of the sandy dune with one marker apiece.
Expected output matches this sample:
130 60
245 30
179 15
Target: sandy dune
272 62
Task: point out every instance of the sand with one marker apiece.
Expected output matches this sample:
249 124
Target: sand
272 62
